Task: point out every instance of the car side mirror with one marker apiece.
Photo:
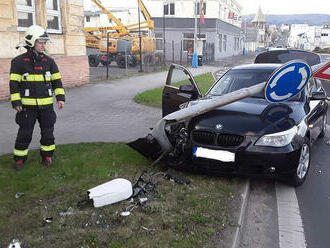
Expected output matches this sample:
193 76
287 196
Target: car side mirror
188 89
321 95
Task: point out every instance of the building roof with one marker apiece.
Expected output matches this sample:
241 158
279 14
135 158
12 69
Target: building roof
260 17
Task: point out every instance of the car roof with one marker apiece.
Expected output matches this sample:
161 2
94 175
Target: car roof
284 55
260 66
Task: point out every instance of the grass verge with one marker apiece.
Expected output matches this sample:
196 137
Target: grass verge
177 216
153 97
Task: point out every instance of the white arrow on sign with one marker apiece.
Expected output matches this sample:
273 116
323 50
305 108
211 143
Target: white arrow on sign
303 73
273 84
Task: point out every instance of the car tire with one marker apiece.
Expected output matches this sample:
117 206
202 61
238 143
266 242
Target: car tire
121 61
133 61
299 176
93 60
324 127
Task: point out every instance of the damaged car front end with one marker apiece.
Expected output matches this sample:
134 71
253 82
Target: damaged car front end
233 129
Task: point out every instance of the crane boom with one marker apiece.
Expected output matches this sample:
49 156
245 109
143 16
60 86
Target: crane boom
120 28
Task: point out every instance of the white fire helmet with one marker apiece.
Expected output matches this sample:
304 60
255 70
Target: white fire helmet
34 33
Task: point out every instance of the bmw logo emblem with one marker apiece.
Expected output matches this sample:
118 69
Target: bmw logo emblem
218 126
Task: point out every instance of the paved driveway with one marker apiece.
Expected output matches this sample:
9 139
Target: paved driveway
97 112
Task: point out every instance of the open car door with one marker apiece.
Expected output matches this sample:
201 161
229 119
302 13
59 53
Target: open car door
180 88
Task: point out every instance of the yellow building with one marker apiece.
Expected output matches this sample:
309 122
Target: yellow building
63 20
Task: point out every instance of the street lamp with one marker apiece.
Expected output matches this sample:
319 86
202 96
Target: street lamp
194 61
140 40
164 42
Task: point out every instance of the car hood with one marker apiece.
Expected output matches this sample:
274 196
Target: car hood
250 116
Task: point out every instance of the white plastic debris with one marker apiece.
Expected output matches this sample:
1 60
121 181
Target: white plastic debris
15 244
125 213
143 199
19 195
328 142
110 192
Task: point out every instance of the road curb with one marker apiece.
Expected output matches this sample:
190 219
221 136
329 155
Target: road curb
238 232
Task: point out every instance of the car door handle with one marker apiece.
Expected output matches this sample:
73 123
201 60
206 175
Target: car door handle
167 95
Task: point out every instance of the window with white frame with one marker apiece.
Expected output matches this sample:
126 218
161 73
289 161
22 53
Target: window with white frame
188 42
159 41
53 16
169 9
25 14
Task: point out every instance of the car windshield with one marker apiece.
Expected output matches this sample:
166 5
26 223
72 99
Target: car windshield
240 78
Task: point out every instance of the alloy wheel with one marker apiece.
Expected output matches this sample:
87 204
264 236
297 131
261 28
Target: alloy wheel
324 128
303 162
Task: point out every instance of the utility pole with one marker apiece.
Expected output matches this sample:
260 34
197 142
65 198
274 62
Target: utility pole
244 47
140 40
108 55
164 33
194 61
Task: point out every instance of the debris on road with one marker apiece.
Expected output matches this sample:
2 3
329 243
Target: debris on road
67 212
15 243
47 220
177 178
19 195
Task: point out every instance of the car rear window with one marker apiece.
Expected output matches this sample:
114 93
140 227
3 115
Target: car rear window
242 78
237 79
283 56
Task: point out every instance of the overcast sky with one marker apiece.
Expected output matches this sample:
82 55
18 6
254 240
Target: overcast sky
286 6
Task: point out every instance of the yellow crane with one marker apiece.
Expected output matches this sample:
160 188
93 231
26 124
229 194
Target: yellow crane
120 36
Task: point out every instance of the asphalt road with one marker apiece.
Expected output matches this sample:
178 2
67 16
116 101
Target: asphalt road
261 227
314 195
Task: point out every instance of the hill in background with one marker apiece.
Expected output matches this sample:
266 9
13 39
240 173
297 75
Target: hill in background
310 19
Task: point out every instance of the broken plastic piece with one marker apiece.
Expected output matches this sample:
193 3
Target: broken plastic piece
143 199
15 244
328 142
19 195
177 178
125 213
67 212
47 220
110 192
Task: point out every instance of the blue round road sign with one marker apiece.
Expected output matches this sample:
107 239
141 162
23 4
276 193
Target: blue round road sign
287 81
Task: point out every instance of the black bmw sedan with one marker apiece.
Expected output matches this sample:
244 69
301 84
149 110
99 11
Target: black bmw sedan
250 136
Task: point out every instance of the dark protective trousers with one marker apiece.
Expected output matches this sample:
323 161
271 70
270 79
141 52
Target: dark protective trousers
26 120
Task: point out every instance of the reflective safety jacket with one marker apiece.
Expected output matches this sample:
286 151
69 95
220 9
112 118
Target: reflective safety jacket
34 80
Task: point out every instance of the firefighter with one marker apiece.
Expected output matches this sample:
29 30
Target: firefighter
34 79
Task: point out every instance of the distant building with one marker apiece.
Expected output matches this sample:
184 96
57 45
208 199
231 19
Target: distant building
257 32
220 35
285 28
308 37
259 23
325 36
